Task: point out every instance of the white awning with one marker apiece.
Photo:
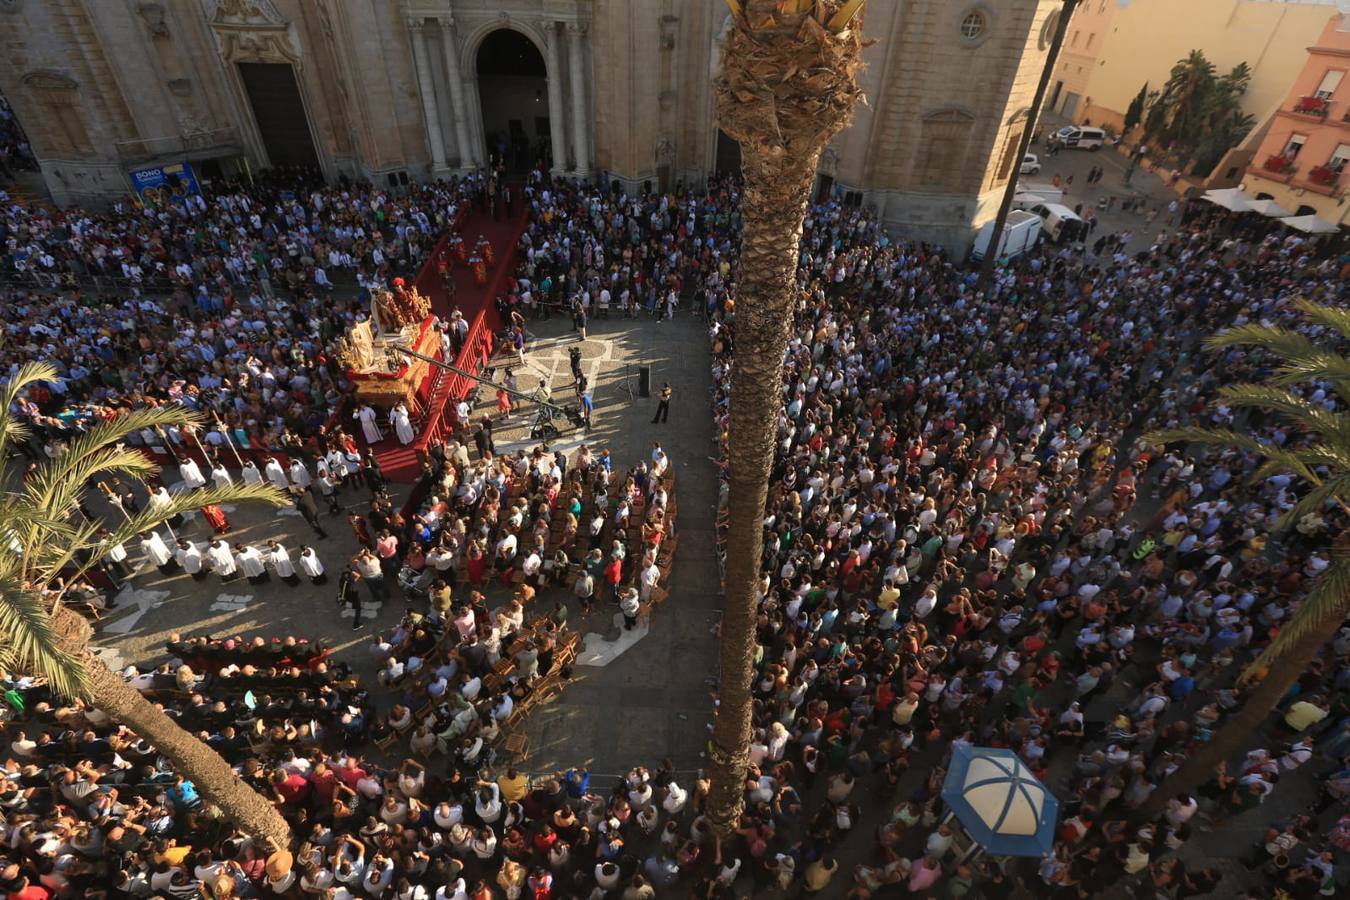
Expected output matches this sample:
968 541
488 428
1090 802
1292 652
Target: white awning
1311 224
1268 208
1235 199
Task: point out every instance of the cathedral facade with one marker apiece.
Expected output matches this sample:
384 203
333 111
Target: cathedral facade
111 92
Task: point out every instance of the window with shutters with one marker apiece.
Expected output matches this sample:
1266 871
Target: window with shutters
1330 82
1339 158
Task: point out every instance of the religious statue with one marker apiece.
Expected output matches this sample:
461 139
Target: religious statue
356 350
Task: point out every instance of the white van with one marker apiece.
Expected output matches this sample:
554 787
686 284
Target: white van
1020 232
1030 193
1078 137
1060 222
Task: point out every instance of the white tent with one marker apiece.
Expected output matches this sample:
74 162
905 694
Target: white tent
1311 224
1235 199
1268 208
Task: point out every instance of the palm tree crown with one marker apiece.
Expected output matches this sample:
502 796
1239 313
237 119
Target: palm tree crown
51 543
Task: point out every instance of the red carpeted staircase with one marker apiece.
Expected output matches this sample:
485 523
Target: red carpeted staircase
400 463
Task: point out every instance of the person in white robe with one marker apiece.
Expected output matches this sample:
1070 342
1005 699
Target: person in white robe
157 552
251 563
250 474
300 475
369 427
191 474
276 474
311 566
279 558
159 497
221 559
398 418
221 477
189 556
115 557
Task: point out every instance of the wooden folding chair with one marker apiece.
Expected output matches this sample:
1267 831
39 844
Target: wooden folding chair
517 745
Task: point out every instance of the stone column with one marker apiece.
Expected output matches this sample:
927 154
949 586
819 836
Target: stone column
576 34
468 153
557 132
433 117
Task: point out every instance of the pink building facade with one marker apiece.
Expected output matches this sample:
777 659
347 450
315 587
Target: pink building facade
1302 162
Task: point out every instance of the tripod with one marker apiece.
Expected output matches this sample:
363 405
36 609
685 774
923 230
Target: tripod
628 382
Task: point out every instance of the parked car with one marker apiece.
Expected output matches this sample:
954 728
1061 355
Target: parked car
1072 137
1060 222
1031 164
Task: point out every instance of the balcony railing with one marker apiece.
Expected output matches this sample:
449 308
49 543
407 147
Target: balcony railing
1278 164
1312 106
1323 176
193 142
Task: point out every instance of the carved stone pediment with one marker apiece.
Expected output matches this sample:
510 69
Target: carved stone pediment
252 31
246 13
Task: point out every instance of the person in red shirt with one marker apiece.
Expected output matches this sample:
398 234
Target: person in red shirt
351 773
290 788
323 781
614 575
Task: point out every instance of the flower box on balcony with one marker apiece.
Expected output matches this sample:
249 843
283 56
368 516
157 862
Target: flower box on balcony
1311 106
1278 164
1323 175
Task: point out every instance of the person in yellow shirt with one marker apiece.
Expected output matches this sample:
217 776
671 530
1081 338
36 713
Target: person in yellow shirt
889 596
1305 713
172 853
513 786
819 873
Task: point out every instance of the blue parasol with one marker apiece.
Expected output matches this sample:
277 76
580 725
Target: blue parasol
1004 808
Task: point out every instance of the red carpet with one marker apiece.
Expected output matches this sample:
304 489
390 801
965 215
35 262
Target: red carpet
401 463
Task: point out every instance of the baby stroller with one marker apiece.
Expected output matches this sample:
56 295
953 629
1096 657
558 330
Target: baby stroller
409 579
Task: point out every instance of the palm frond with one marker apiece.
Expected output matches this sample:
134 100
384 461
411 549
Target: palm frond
1336 488
1327 602
150 518
1332 426
30 641
1337 318
108 438
57 484
29 374
1279 341
1290 460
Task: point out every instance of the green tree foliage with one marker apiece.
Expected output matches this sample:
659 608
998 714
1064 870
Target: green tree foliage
1198 115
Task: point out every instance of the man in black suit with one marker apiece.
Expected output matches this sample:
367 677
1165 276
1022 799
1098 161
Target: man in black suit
309 510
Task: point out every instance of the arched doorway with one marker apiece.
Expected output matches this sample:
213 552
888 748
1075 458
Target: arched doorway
513 94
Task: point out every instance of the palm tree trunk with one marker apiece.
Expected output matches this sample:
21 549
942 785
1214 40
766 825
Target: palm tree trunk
773 205
213 778
787 86
1234 734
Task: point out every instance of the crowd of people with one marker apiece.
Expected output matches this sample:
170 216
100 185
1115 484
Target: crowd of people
966 542
223 302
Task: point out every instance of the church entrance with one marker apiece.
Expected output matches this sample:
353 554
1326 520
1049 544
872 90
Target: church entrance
274 95
728 159
513 94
